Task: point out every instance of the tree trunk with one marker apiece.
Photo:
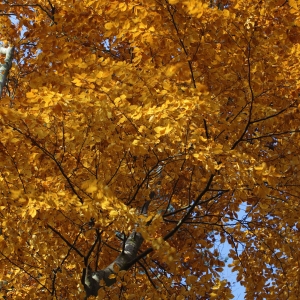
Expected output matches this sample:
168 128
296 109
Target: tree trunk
4 68
91 280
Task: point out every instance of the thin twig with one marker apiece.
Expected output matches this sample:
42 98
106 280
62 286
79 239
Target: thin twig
66 241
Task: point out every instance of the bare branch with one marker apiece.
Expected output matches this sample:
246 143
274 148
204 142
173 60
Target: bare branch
66 241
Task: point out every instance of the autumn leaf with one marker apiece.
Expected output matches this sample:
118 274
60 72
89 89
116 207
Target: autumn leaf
160 130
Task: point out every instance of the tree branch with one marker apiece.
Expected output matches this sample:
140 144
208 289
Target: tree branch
66 241
92 280
179 224
5 67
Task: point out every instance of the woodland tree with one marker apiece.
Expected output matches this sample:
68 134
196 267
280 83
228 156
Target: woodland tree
138 137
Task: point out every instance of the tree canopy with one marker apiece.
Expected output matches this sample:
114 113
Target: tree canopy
138 137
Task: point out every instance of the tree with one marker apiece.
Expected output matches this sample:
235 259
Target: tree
138 137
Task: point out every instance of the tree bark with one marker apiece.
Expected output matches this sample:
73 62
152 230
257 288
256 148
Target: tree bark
5 67
91 280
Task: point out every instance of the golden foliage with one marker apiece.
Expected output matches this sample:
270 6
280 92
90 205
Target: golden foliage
108 101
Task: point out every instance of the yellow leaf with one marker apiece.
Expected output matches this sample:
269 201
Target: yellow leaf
22 200
261 167
109 25
123 6
30 95
226 12
172 70
83 65
15 194
77 82
90 185
116 268
217 149
105 204
264 206
113 213
293 4
160 130
32 212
